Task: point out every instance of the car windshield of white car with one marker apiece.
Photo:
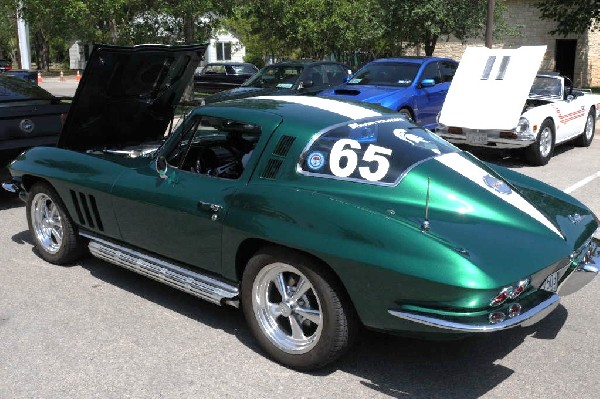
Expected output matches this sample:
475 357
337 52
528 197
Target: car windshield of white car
546 86
375 150
386 74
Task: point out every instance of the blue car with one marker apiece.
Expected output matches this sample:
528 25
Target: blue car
414 86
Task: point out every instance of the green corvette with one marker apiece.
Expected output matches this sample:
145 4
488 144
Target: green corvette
316 216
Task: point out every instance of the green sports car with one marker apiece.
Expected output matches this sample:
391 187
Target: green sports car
316 216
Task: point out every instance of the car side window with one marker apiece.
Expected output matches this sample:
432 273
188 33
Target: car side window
448 69
431 71
315 75
334 74
215 69
215 146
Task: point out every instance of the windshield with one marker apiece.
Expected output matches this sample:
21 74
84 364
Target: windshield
546 86
376 150
386 74
244 69
279 76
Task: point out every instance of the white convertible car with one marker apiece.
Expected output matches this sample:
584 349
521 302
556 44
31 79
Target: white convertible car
498 100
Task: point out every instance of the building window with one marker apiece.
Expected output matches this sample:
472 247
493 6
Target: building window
223 51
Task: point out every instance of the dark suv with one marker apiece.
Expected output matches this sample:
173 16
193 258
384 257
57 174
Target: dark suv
288 78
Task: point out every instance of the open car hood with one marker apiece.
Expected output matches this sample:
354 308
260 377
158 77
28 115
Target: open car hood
490 87
127 95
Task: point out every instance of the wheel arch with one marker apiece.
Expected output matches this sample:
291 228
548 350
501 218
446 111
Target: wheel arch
251 246
409 109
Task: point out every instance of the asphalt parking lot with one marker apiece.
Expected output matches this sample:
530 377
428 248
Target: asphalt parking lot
94 330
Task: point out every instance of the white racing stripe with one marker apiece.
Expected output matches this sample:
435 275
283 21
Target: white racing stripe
337 107
476 174
581 183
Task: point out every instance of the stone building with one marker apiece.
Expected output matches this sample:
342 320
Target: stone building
576 56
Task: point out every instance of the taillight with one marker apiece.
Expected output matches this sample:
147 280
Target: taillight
511 292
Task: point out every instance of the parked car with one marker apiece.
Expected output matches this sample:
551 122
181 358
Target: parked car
29 116
6 68
290 77
5 65
413 86
314 215
498 101
219 76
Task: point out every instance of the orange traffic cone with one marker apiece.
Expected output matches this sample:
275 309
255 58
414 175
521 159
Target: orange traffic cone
78 77
40 77
62 76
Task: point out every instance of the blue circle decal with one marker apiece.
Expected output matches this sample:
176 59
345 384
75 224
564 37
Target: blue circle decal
315 160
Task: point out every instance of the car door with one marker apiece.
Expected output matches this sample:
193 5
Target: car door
429 100
178 214
571 115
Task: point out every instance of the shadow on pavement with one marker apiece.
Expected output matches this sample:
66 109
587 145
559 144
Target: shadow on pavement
391 365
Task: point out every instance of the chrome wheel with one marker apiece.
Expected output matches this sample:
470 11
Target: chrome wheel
46 223
545 141
589 127
287 308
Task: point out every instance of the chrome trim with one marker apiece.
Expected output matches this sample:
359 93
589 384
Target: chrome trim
197 284
11 187
528 318
584 272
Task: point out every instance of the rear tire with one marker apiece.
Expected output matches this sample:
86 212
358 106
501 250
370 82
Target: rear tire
540 152
296 309
586 137
54 233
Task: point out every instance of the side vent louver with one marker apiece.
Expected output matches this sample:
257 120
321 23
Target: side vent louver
283 146
271 169
279 152
87 210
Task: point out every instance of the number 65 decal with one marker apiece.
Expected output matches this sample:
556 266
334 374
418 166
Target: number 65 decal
344 149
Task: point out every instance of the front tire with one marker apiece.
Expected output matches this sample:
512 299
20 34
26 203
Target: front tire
586 137
540 152
54 234
296 309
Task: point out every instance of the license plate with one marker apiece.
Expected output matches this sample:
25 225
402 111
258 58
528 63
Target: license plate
476 138
551 282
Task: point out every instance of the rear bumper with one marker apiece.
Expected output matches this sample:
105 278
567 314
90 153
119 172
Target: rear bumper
582 273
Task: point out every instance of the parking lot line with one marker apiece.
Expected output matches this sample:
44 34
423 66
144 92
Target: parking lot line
581 183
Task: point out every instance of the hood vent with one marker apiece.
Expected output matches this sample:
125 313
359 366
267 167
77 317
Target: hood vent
283 146
347 92
87 210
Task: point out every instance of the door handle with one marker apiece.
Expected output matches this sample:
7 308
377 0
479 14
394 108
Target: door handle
207 206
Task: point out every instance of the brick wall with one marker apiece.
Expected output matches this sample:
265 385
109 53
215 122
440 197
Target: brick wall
534 31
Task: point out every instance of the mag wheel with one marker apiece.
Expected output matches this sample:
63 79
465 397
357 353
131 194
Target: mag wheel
540 152
53 232
296 310
585 139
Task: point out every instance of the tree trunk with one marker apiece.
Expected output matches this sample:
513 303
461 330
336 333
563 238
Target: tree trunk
430 43
47 55
188 37
114 33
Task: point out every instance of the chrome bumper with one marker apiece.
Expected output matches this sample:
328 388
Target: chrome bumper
493 139
11 187
584 272
17 188
528 318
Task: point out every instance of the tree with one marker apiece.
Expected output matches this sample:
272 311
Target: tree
571 16
418 22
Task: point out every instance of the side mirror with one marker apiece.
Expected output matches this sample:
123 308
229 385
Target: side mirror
570 98
307 83
427 83
161 167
